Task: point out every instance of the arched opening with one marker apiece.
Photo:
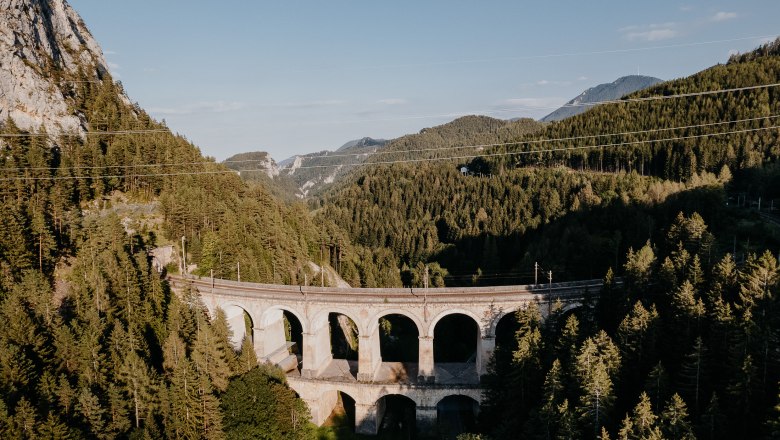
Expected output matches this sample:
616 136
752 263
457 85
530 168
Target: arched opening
506 342
398 339
396 417
456 415
293 334
240 324
342 418
455 339
506 328
399 348
344 342
282 338
455 349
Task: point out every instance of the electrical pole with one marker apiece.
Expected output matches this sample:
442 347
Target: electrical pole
322 267
549 286
536 273
183 258
238 265
425 277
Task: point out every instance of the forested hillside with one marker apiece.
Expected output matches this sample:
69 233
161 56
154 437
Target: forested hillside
95 345
574 209
670 138
685 347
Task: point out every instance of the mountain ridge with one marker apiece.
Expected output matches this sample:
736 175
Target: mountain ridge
603 92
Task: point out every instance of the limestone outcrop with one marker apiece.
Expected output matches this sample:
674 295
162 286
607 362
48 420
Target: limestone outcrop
40 40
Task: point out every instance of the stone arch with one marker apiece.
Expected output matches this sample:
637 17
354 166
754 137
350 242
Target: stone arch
498 317
475 397
396 413
373 325
321 318
334 399
235 321
274 346
400 346
265 315
457 340
444 314
456 414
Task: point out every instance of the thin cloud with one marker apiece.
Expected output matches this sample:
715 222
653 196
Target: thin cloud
723 16
392 101
543 103
200 107
650 32
652 35
314 104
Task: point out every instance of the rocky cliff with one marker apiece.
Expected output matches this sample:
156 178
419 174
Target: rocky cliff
43 43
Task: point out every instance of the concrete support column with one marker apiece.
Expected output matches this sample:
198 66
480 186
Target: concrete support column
485 348
427 420
366 421
272 343
369 356
425 368
322 407
257 342
316 351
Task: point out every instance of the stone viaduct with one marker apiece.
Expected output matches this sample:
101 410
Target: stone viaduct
318 378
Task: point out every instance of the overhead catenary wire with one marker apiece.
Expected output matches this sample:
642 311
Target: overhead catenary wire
492 145
87 133
605 102
533 141
507 153
507 110
548 150
309 157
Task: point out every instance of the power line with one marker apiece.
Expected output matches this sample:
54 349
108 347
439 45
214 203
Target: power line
556 55
549 150
607 102
547 108
88 133
118 176
508 153
529 142
536 141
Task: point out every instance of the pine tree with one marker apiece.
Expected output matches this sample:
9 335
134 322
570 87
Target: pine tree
694 374
674 420
657 386
247 359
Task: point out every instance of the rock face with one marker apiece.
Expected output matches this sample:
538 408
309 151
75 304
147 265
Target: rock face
37 39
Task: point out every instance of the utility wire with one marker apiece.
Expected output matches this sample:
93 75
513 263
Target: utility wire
508 153
119 176
528 142
504 110
88 133
548 150
534 141
613 101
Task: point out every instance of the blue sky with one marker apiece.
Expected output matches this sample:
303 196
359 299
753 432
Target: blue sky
292 77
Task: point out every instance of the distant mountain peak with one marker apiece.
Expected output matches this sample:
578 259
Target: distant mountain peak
603 92
363 143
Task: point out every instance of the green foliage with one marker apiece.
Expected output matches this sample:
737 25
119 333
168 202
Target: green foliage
259 405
